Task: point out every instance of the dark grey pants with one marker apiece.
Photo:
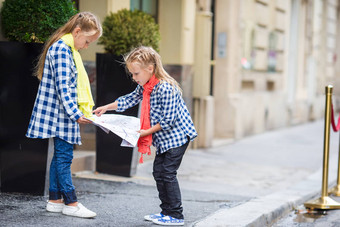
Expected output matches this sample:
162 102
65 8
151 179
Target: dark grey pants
165 169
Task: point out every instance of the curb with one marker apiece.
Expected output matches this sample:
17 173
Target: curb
266 210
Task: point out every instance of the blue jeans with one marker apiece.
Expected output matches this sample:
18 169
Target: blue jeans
60 172
165 169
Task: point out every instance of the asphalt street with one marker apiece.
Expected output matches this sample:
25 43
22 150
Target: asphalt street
116 204
234 184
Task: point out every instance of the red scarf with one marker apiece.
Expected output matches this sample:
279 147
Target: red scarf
145 142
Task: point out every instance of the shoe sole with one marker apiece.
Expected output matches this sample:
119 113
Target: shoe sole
73 215
150 219
168 224
53 211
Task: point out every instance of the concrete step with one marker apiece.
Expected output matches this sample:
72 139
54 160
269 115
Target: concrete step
83 161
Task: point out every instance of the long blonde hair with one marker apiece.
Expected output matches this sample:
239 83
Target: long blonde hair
86 21
146 56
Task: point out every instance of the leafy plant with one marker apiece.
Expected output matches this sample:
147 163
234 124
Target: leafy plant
127 29
34 20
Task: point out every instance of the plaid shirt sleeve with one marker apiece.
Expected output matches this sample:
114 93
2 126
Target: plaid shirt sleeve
127 101
62 69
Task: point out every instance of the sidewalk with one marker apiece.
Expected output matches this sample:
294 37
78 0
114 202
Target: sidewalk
250 182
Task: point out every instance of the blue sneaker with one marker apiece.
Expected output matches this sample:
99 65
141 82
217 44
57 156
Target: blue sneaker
167 220
153 216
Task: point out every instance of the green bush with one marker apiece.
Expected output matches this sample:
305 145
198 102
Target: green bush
34 20
127 29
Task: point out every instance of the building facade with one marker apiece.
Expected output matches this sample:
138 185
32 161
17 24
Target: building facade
245 66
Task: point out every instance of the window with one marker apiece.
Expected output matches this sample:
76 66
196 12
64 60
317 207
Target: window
272 54
148 6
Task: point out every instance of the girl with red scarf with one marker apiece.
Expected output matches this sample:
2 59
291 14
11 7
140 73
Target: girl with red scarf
165 123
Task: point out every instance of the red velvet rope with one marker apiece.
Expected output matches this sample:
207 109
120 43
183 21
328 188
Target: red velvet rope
337 127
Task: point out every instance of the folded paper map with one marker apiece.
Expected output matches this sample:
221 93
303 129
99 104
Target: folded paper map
123 126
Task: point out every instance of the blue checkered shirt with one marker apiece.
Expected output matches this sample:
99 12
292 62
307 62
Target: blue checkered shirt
55 110
167 108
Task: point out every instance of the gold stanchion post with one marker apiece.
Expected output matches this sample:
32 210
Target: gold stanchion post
325 202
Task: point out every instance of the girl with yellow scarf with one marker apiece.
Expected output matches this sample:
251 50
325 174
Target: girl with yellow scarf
63 101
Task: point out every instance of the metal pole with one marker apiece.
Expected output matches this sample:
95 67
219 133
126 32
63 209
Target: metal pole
325 202
328 107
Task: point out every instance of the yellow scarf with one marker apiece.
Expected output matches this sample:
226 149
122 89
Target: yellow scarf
85 100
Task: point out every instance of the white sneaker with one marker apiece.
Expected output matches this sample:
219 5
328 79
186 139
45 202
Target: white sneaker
78 211
54 207
151 217
167 220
